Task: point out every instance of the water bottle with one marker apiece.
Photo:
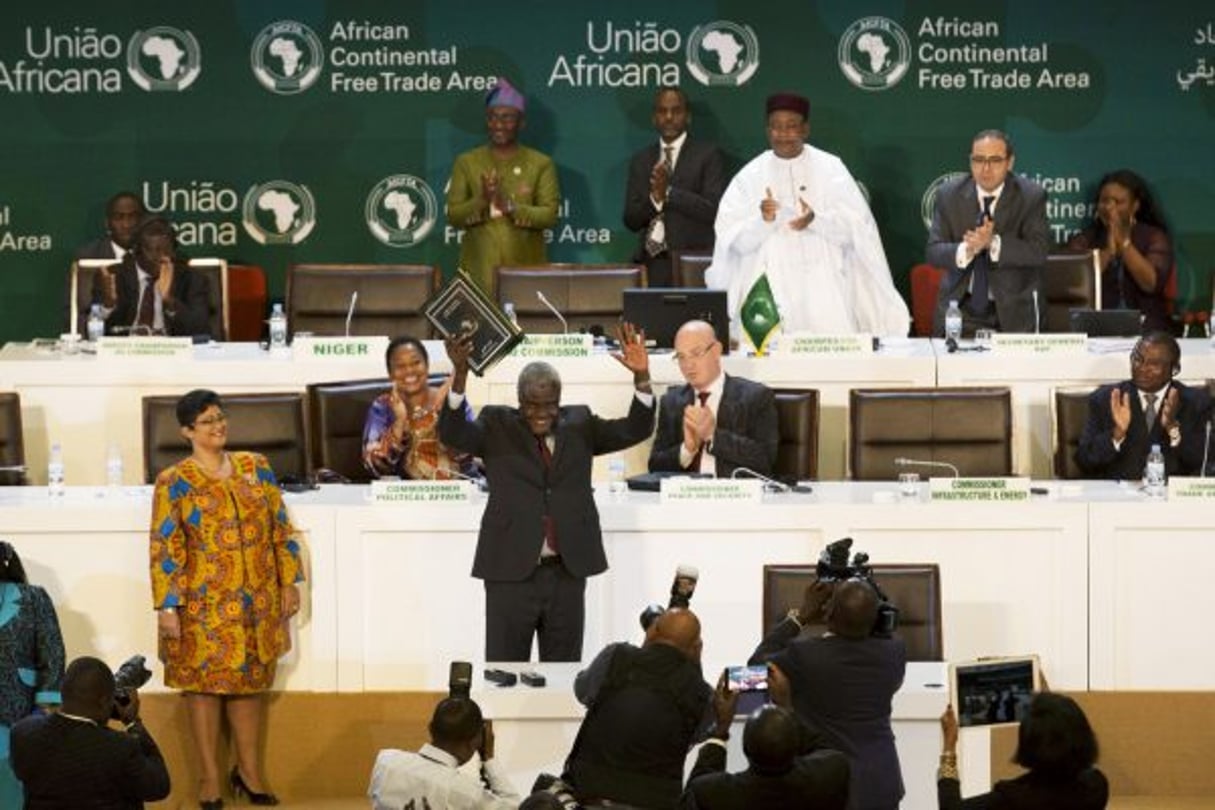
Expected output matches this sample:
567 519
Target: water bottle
1153 473
113 467
278 328
953 322
618 487
96 327
54 472
508 309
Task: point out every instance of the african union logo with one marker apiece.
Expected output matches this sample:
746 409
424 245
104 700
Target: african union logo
279 212
163 58
401 210
929 201
723 53
287 57
874 53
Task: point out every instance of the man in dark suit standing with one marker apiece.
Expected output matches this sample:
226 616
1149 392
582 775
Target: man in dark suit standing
788 767
989 233
123 213
673 190
71 759
540 537
1125 419
843 683
154 290
716 423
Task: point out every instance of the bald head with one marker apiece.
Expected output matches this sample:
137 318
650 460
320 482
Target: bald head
698 353
678 628
853 609
770 740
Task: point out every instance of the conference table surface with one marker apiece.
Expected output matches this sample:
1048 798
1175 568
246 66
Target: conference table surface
87 404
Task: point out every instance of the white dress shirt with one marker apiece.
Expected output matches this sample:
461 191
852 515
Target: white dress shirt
708 462
431 778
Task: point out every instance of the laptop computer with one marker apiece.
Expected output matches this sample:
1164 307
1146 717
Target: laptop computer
661 311
1106 322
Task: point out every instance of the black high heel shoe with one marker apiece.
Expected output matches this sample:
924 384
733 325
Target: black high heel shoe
239 787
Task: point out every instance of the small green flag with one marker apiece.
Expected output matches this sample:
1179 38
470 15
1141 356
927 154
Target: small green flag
759 314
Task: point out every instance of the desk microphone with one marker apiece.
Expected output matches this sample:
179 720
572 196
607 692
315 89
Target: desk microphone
1206 449
354 299
916 462
481 483
565 327
20 468
1037 315
778 486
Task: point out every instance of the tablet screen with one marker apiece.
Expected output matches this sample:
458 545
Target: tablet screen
994 692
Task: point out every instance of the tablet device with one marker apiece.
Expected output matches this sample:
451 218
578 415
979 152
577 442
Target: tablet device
993 691
751 683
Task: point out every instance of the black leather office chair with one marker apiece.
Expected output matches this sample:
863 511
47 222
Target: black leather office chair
914 588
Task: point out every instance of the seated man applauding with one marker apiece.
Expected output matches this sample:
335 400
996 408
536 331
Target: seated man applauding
716 423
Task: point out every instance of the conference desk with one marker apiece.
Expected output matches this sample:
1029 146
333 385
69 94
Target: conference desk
390 600
86 404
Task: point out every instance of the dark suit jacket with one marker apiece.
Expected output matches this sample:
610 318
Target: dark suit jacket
100 248
694 191
68 764
1088 791
747 432
1020 220
1095 454
818 781
190 290
521 492
843 688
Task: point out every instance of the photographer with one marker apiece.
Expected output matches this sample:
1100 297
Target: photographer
646 707
430 777
788 767
72 759
843 682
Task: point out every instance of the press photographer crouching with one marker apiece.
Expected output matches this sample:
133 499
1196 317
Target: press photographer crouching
431 776
73 759
843 681
646 707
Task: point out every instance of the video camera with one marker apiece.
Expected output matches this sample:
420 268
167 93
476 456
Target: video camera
686 577
834 566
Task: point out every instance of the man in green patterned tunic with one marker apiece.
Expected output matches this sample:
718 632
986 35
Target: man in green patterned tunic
502 194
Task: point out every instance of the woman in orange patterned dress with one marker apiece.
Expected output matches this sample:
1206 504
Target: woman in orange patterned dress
224 567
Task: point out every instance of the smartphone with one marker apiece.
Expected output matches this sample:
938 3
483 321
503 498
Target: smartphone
751 683
747 679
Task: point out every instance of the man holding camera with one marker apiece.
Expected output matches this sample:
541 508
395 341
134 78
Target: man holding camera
72 759
843 682
431 777
788 767
646 707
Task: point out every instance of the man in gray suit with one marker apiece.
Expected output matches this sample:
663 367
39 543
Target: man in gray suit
540 536
989 233
673 189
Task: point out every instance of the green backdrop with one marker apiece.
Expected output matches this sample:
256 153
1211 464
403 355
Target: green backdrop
231 115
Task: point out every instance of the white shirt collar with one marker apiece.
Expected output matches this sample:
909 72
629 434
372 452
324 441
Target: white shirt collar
438 755
996 192
676 146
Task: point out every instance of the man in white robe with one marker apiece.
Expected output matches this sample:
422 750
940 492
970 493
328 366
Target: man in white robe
796 213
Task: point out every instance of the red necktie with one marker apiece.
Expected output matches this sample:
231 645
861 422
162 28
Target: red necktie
703 396
147 305
550 530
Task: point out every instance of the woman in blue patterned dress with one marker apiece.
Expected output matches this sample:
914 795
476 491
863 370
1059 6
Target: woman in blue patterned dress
31 658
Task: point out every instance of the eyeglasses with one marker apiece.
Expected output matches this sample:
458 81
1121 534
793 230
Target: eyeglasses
502 117
207 421
990 161
694 354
